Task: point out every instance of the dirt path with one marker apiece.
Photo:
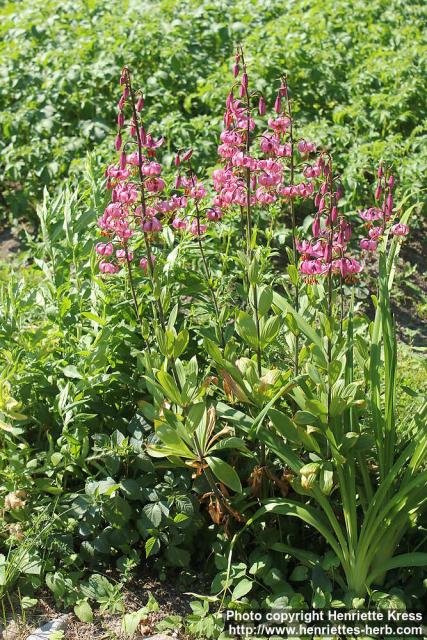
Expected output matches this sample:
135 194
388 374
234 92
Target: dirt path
9 244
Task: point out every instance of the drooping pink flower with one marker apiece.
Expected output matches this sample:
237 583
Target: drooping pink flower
104 249
122 253
197 229
369 215
108 267
400 229
143 263
368 245
151 169
152 225
154 185
347 267
179 223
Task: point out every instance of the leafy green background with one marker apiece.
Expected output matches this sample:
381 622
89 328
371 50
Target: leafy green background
356 69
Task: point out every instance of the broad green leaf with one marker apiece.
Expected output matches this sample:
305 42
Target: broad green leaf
225 473
269 329
265 300
241 589
83 611
246 328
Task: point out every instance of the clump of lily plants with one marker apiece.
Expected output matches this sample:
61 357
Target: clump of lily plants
268 381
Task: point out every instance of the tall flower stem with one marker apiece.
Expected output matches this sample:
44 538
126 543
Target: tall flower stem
242 227
135 304
249 216
329 284
346 473
293 220
207 270
159 305
249 234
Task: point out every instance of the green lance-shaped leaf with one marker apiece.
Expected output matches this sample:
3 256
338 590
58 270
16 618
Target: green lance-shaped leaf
292 432
170 387
173 444
265 300
195 416
180 344
414 559
307 514
303 325
214 351
225 473
269 329
246 328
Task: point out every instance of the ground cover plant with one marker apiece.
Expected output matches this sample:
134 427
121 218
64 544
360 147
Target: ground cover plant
193 375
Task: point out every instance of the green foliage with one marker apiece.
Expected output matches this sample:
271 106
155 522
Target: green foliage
166 444
130 448
357 74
